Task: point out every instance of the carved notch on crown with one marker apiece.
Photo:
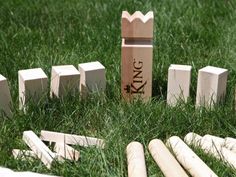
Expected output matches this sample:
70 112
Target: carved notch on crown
137 25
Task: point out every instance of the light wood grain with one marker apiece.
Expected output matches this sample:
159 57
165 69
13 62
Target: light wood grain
136 160
5 97
165 160
71 139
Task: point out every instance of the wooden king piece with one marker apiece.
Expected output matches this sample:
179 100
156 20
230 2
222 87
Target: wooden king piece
136 55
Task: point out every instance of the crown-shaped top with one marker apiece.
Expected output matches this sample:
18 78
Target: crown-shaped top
137 25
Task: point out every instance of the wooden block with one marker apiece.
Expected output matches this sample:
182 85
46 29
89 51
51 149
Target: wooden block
211 86
136 56
71 139
230 143
66 151
165 160
188 159
5 97
39 148
23 154
214 146
64 79
33 84
136 160
93 78
137 25
179 80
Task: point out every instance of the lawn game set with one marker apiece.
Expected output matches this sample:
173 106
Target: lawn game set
175 158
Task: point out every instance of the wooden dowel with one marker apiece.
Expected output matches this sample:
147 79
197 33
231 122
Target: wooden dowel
165 160
188 159
215 146
136 160
230 143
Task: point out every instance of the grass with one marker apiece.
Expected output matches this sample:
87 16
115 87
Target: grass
49 32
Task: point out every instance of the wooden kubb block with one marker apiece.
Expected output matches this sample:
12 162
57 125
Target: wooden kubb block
179 79
33 84
211 87
93 77
5 97
64 79
137 54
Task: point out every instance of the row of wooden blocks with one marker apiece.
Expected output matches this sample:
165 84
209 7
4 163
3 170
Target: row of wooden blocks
211 85
33 83
62 148
183 158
